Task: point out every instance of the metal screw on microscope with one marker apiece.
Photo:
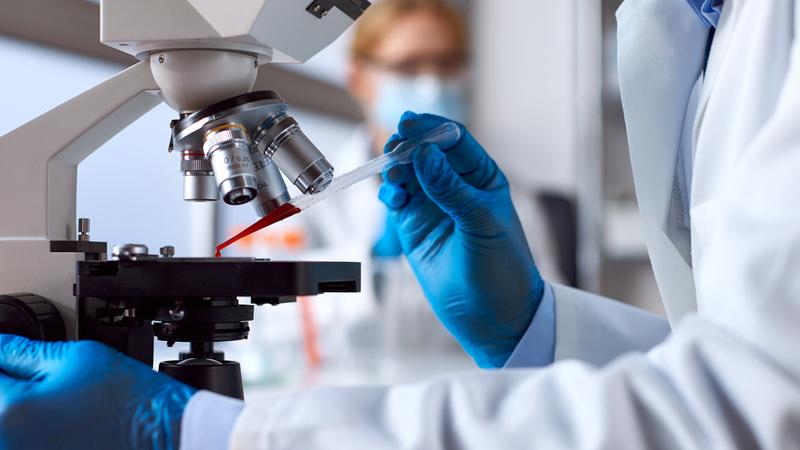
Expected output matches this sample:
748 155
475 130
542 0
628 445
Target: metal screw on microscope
129 252
83 229
167 251
177 313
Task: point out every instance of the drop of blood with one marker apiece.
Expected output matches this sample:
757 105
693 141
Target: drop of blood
281 213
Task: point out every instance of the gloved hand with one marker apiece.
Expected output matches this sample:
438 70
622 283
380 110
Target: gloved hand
458 228
84 395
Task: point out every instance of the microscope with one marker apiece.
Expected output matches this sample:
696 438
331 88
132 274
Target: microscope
201 57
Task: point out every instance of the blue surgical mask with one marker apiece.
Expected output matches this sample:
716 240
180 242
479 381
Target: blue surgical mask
421 94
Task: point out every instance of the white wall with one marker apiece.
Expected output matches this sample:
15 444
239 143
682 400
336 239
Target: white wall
524 96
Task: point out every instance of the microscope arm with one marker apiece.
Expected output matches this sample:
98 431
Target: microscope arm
38 183
38 173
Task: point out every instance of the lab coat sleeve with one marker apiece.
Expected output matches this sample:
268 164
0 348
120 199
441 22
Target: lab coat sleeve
729 378
697 391
209 418
208 421
591 328
537 346
596 329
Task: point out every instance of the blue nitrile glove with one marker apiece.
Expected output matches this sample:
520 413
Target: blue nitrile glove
84 395
387 245
458 228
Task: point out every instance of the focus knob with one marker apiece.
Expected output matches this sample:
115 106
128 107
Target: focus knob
31 316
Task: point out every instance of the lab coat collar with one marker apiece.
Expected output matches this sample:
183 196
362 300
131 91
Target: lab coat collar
707 10
662 48
718 52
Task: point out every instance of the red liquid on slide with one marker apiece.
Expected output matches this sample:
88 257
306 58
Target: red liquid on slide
282 213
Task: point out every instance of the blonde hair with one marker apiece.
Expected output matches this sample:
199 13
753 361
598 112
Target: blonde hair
372 26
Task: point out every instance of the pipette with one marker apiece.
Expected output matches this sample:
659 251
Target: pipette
445 135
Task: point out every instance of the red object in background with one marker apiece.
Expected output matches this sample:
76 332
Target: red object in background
282 213
310 337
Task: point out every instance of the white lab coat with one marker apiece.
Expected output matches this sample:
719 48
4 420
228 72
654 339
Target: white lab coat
729 375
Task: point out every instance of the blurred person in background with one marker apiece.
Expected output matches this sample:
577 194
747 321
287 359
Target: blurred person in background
409 55
405 55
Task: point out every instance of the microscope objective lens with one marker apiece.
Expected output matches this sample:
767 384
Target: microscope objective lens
228 149
282 140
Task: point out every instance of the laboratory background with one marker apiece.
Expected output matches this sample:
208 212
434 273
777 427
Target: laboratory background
542 96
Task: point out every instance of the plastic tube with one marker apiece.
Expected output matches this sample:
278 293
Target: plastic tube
444 135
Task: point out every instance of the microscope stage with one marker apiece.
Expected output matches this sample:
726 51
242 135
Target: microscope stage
264 280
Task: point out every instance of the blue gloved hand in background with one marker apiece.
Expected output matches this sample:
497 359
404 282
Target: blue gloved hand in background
461 234
84 395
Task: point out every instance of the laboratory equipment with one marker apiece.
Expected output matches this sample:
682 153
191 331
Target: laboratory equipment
227 147
128 301
201 58
199 184
445 135
281 140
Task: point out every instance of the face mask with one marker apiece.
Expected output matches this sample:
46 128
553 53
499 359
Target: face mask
424 94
